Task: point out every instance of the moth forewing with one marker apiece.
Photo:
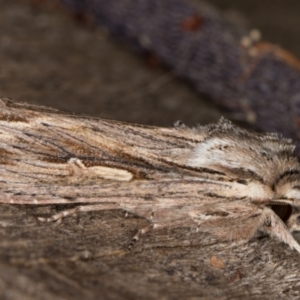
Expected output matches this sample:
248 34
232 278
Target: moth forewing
219 178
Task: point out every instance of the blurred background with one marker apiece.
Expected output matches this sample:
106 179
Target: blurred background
49 57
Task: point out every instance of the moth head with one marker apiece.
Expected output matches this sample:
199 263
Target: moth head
265 163
236 152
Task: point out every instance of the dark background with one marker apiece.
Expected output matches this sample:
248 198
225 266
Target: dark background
47 57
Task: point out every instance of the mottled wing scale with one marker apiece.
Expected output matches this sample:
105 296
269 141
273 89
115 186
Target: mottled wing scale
219 178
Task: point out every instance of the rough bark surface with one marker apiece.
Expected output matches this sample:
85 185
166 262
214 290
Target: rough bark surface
44 59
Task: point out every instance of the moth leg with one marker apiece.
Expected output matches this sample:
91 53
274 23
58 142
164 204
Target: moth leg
276 227
158 226
140 233
77 210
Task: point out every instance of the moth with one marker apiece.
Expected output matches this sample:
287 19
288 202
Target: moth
219 178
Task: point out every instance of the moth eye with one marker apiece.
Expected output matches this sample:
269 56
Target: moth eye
283 211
